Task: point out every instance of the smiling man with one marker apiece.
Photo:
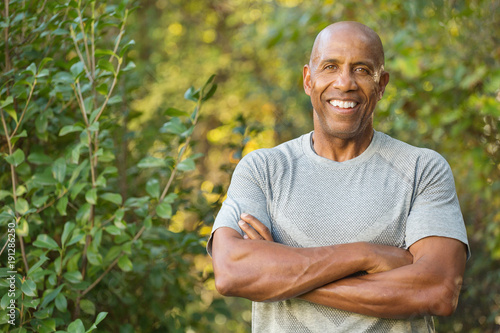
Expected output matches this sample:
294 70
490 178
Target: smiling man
343 229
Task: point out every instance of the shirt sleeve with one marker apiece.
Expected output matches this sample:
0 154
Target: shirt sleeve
247 193
435 209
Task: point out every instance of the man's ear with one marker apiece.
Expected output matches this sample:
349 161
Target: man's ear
384 80
306 73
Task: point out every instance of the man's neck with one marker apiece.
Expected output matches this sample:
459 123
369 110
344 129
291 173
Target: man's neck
339 149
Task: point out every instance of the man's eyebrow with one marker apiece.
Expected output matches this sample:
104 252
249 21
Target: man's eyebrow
369 64
330 61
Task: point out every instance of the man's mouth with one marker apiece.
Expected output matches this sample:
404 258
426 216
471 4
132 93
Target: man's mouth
343 104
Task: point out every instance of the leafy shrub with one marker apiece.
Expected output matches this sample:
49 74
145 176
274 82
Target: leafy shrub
84 241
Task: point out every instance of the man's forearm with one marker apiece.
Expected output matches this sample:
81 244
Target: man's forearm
266 271
418 289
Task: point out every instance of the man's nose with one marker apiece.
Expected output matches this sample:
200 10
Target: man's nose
345 81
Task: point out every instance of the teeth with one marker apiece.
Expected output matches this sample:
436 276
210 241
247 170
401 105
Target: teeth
343 104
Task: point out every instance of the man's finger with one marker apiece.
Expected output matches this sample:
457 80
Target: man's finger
249 231
258 226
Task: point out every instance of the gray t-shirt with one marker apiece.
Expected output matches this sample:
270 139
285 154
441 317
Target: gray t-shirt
393 194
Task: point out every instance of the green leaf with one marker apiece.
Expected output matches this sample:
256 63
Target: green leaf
186 165
125 264
100 317
103 52
61 303
51 296
148 222
39 158
151 162
164 210
112 197
113 230
91 196
5 300
192 95
94 127
73 277
94 257
43 179
60 32
70 129
173 112
43 259
102 89
75 153
38 201
59 169
61 205
22 206
77 70
153 188
23 228
16 158
43 62
110 170
68 228
174 126
120 224
32 68
106 65
125 47
23 134
77 236
45 242
209 81
8 101
76 327
43 73
76 189
170 198
115 100
20 190
64 78
4 194
131 65
29 288
11 112
76 172
42 314
87 306
210 93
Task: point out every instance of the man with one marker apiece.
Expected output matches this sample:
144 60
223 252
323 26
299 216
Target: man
343 229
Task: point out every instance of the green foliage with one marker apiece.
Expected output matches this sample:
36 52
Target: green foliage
443 94
80 233
100 164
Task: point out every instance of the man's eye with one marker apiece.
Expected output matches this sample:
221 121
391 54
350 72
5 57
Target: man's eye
361 70
330 67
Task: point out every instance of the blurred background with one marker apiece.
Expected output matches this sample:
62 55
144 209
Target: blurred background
443 94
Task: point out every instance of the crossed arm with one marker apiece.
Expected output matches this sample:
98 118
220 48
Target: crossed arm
399 284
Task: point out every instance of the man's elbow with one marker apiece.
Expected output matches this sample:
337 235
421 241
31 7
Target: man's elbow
224 285
446 300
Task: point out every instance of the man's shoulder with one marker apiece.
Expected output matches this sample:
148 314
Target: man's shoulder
399 151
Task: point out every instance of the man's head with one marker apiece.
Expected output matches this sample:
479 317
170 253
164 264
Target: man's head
345 78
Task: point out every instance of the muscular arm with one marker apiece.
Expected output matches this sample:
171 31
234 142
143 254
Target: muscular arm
428 286
266 271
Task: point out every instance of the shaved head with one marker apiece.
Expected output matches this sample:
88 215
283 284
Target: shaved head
348 28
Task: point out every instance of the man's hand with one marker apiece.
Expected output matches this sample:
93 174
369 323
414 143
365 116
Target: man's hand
254 229
384 257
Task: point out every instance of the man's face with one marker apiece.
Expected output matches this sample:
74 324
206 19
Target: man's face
345 80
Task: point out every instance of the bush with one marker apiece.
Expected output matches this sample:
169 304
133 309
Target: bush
79 240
